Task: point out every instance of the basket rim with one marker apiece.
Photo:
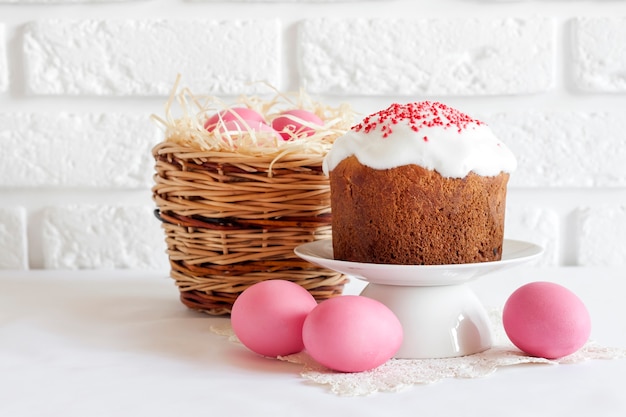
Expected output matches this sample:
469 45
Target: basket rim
259 158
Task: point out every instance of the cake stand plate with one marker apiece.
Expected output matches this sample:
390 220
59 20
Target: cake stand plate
440 314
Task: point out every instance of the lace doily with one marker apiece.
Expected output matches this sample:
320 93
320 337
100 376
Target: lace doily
400 374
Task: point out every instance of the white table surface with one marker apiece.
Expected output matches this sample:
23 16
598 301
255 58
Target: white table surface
119 343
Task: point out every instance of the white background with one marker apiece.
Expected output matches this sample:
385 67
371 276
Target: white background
579 224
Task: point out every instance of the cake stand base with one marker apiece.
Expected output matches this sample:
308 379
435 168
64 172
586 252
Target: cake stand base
438 321
440 315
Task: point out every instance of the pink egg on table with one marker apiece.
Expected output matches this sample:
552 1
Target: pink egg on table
294 123
352 333
268 317
235 113
546 320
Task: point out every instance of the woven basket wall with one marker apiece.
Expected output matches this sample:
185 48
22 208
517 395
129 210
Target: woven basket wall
233 220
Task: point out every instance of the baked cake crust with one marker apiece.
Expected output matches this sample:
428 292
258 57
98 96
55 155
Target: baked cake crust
414 216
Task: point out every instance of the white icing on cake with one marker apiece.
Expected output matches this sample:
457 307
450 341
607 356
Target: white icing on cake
429 134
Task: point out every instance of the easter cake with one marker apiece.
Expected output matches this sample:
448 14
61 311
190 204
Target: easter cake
238 186
418 184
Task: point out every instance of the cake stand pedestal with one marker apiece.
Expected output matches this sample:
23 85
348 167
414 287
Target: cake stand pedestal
437 321
440 315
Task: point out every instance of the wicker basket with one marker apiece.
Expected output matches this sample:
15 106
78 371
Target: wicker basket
232 220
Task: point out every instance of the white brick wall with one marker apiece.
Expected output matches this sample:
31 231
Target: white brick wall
93 150
600 231
143 57
598 63
537 225
565 149
102 236
4 70
13 241
434 57
77 86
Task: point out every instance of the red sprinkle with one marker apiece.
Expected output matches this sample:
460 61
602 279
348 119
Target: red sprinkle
417 115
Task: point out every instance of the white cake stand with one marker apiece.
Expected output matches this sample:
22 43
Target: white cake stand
440 314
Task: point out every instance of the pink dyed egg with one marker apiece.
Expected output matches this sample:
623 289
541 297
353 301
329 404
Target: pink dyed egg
352 333
235 113
290 123
235 127
547 320
268 317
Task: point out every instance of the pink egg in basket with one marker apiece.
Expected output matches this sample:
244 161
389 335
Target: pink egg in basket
235 127
297 122
547 320
268 317
233 114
